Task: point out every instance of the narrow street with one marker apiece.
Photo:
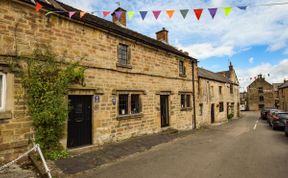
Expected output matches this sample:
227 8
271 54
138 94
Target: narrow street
240 148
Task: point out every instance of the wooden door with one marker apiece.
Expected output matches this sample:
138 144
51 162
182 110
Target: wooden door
212 113
164 105
79 122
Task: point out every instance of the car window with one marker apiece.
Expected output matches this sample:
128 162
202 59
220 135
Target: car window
284 116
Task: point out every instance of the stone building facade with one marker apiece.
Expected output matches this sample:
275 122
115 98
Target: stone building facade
260 93
283 96
133 84
218 96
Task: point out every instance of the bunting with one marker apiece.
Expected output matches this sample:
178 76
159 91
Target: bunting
118 14
71 14
212 12
184 12
143 14
106 13
170 13
227 10
156 14
198 13
38 7
82 13
130 14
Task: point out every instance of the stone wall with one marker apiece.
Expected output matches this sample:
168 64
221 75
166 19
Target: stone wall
283 99
153 71
208 94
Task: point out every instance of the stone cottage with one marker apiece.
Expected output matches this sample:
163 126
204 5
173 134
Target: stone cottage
218 96
133 84
260 93
283 96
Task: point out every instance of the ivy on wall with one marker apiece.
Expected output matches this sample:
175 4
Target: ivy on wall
46 81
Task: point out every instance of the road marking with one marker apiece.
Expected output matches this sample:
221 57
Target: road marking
254 128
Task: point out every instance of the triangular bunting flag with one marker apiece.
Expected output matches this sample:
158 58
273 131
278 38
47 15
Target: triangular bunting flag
82 13
213 12
198 13
184 12
170 13
130 14
33 1
156 14
105 13
118 14
227 10
143 14
242 7
38 7
71 14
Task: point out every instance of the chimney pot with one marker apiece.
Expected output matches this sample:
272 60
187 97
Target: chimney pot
162 35
122 20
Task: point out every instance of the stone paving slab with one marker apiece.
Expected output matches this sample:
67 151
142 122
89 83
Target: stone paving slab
113 152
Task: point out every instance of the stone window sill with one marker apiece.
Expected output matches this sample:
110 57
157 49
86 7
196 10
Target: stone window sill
182 75
130 116
127 66
186 109
5 115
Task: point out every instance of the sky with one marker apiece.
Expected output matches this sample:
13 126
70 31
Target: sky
255 40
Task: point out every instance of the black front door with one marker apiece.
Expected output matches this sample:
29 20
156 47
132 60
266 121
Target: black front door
79 122
164 104
212 113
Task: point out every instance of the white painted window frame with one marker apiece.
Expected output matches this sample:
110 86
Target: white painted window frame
4 88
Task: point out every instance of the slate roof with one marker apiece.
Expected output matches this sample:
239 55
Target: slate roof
100 23
225 73
284 85
203 73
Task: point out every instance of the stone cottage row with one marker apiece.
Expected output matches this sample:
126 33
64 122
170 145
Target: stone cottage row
133 84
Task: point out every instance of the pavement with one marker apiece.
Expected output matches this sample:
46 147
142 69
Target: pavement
16 171
244 148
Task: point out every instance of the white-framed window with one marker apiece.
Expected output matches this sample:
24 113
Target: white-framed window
2 91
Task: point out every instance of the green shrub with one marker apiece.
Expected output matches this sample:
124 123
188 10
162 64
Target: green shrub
230 116
46 82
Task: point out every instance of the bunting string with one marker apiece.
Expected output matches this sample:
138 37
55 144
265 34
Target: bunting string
157 13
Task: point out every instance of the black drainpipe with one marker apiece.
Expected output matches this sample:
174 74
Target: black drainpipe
194 102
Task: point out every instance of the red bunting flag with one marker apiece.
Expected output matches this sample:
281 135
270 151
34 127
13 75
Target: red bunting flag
105 13
38 7
156 14
198 13
82 13
170 13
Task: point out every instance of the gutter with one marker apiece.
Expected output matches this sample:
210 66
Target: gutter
194 102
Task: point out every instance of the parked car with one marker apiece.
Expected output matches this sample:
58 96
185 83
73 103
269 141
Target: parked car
279 120
242 107
264 112
270 114
286 128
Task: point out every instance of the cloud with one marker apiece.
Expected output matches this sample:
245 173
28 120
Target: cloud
206 50
251 60
277 73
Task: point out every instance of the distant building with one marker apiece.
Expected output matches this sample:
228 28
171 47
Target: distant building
283 96
243 100
260 93
218 96
276 93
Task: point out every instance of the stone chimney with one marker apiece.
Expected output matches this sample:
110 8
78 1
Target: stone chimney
122 19
260 76
162 35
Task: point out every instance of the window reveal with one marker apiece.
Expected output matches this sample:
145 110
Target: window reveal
129 104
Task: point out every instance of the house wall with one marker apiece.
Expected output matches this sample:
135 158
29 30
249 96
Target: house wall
253 94
283 99
207 97
153 72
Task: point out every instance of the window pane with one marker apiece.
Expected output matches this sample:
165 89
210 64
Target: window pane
181 67
123 104
182 101
122 54
188 101
135 104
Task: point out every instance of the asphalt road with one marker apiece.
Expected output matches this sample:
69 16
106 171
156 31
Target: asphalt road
235 150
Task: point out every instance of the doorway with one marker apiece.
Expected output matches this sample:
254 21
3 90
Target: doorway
164 108
212 113
79 121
